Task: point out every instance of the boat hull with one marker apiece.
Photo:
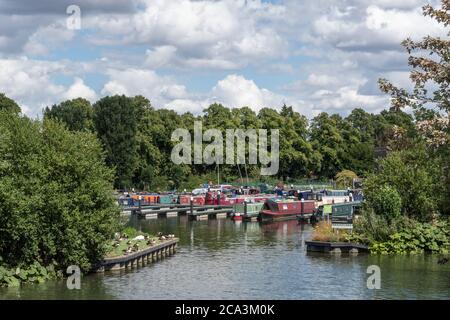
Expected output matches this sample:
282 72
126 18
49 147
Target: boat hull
267 215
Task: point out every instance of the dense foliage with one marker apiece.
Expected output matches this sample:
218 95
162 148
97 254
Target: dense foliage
137 140
408 196
416 238
9 105
77 114
56 205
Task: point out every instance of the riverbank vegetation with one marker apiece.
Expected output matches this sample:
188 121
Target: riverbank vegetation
57 207
408 194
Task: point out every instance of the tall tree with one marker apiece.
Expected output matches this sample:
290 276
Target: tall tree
429 59
77 114
116 123
326 137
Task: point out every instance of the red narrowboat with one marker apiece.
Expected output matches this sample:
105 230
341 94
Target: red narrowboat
184 199
198 200
282 209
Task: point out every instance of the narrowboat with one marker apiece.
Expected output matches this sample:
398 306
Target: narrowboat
146 198
168 198
184 199
281 209
343 213
247 211
339 211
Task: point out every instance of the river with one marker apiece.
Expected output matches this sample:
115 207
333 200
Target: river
222 259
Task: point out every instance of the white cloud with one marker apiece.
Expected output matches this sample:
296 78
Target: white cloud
79 90
131 82
29 82
236 91
47 37
211 34
374 28
320 55
160 56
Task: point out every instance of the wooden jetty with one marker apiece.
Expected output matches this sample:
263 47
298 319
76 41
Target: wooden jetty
336 247
209 212
194 212
139 258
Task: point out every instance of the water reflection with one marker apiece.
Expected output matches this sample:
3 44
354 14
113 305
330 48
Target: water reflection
222 259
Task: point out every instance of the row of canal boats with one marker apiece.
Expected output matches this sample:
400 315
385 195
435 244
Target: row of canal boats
292 204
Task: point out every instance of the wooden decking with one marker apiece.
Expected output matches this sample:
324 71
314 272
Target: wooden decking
139 258
336 247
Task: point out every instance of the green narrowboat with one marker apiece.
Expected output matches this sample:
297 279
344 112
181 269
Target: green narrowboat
345 209
252 210
167 198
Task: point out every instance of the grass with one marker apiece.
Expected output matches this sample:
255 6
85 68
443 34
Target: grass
324 232
119 251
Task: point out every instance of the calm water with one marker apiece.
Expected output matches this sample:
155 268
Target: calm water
221 259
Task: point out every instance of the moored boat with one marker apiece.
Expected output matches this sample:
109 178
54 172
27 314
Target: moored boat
282 209
345 211
247 211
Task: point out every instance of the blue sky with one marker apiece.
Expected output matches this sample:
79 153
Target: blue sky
323 55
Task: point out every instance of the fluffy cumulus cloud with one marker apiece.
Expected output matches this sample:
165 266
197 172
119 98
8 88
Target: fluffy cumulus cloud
80 90
208 34
31 83
323 55
236 91
143 82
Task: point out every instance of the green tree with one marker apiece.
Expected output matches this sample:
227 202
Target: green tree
76 114
116 122
413 173
8 104
344 179
327 139
429 59
55 193
386 202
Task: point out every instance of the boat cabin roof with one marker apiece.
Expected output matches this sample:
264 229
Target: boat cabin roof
346 204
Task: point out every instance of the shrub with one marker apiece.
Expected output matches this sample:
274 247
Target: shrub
386 202
422 237
416 178
373 227
56 200
34 273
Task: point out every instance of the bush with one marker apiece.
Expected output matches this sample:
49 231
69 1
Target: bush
386 202
415 176
56 199
373 227
422 237
35 273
